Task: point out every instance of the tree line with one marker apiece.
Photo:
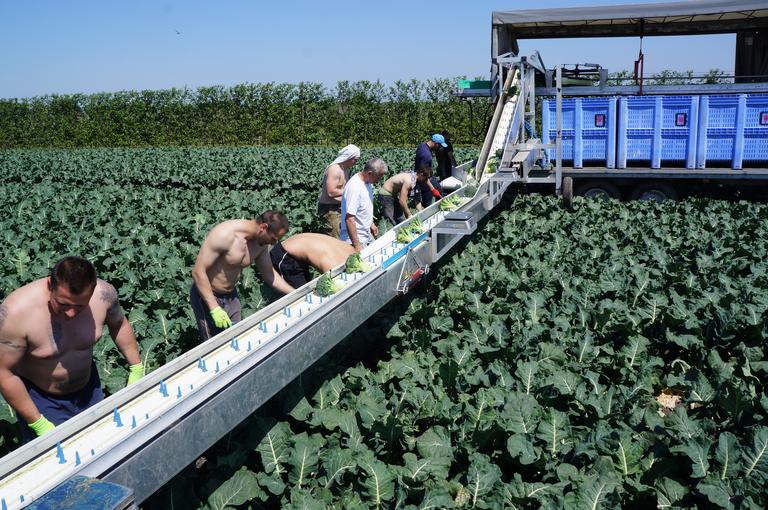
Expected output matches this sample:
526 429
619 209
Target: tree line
363 112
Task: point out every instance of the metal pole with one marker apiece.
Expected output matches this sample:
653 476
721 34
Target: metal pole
521 104
532 99
558 139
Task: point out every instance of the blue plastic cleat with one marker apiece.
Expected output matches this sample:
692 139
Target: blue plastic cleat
60 453
117 419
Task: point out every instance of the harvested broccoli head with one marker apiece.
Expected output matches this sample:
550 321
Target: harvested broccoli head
450 203
325 285
356 264
470 191
405 235
493 163
416 225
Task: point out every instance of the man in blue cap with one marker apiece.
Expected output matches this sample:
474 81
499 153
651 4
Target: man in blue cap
424 151
424 157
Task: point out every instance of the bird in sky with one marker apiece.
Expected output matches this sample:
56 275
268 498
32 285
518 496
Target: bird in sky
177 32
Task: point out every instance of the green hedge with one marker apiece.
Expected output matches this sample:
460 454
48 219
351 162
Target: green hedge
365 113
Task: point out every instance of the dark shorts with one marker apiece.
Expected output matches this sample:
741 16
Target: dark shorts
391 210
330 214
59 408
288 267
230 303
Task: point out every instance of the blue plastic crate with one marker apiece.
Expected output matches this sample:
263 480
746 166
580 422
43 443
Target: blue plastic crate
653 129
82 493
549 126
733 129
588 130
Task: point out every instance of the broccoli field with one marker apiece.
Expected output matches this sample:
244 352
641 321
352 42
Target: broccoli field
609 356
606 357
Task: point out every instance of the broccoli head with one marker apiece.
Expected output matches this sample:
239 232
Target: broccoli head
356 264
493 163
450 203
325 285
405 235
416 225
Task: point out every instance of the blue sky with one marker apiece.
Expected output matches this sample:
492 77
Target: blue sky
86 46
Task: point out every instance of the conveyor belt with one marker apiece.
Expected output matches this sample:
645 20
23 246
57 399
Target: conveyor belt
146 433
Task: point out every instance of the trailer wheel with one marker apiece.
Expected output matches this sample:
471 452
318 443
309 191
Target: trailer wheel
567 190
653 190
598 189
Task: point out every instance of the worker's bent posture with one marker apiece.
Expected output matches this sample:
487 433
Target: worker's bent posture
230 247
47 332
394 194
293 257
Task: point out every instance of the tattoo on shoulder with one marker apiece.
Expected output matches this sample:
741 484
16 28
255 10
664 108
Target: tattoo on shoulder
109 295
10 344
3 315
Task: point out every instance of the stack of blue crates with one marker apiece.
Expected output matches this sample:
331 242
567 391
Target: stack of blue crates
588 130
658 128
733 130
690 131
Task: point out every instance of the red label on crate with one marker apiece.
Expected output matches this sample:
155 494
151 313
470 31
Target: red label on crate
681 119
600 120
764 118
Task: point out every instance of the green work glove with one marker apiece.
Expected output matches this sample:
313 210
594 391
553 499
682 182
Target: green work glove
135 372
42 426
220 318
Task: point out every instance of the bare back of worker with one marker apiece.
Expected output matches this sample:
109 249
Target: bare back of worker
230 247
49 338
395 184
317 250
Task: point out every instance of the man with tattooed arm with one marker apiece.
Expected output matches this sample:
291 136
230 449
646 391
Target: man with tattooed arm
48 329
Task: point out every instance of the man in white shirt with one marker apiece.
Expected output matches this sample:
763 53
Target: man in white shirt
357 227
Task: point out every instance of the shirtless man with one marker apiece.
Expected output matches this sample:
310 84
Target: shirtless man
292 257
335 177
393 195
47 332
230 247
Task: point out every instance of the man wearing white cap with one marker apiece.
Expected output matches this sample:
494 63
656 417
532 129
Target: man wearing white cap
335 178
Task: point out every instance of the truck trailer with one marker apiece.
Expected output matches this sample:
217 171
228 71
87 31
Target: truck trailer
625 140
